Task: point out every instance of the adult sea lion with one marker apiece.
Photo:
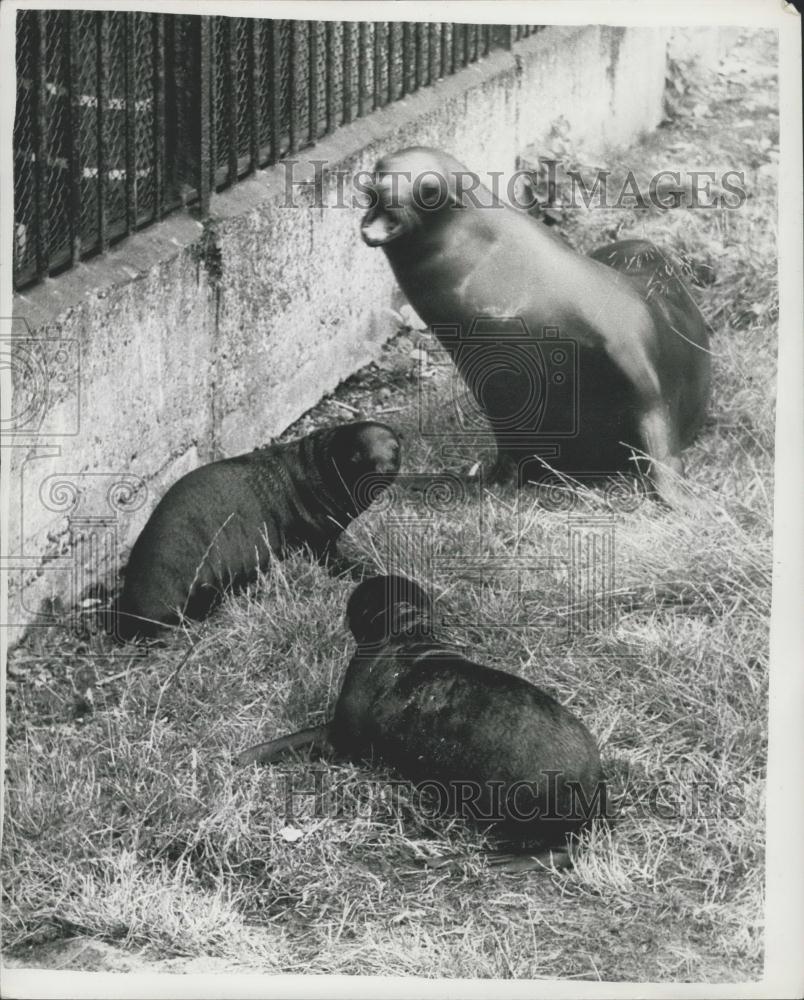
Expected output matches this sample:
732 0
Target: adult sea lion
489 744
218 524
575 358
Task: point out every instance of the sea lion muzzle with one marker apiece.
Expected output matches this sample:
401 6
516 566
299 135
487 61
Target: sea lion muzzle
401 203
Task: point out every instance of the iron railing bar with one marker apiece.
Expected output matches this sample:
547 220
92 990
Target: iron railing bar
464 45
294 62
405 88
486 39
212 81
313 78
255 57
391 49
159 85
171 139
330 86
39 131
128 90
348 44
276 85
362 66
74 136
377 76
445 34
419 56
432 29
204 112
230 95
102 23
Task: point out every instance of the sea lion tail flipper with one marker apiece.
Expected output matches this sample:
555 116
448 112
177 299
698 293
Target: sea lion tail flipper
316 737
542 860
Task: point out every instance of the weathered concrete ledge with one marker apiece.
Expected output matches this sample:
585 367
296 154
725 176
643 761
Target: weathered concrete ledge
192 341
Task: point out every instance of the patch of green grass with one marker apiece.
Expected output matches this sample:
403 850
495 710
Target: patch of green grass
126 819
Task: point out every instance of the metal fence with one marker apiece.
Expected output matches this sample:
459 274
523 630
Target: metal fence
124 117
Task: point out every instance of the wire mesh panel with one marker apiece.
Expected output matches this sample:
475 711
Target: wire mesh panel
334 74
25 213
380 63
114 120
54 134
124 116
144 53
279 62
85 99
182 92
394 56
300 48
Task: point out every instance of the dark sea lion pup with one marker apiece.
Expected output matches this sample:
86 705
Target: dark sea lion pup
217 524
578 359
489 744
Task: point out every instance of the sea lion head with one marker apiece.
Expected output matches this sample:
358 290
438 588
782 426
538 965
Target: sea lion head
385 607
412 190
362 459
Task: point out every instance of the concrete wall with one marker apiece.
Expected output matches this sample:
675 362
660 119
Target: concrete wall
190 342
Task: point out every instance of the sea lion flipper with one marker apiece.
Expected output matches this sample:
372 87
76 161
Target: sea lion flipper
666 464
543 861
316 737
503 469
511 863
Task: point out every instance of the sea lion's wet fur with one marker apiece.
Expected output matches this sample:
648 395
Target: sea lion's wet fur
218 524
503 751
642 344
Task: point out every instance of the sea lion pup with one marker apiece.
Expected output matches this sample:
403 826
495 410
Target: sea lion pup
579 359
217 524
488 744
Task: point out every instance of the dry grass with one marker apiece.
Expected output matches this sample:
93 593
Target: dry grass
126 820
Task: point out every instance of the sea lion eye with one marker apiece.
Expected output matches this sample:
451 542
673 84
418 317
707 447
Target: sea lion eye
430 191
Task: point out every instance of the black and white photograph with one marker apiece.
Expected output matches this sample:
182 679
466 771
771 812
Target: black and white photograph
401 446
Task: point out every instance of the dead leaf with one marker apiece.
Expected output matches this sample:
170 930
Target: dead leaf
291 834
